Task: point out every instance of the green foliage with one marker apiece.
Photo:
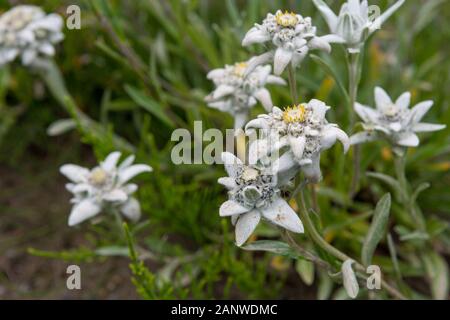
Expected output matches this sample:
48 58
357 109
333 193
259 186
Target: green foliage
137 70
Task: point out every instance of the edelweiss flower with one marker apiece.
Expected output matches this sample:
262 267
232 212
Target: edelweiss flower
291 34
393 120
237 92
26 31
253 193
303 131
103 187
353 25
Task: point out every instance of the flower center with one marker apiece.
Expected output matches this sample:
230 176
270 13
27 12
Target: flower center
98 176
295 114
286 19
239 69
391 110
249 174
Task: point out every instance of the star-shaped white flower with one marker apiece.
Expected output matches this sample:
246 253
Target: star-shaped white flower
353 25
237 91
302 131
27 32
253 194
105 186
394 121
292 36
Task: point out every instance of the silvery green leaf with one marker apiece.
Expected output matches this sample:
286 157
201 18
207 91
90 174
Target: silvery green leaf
388 180
416 235
349 279
112 251
438 275
61 126
422 187
147 103
325 286
377 228
306 271
426 14
277 247
331 72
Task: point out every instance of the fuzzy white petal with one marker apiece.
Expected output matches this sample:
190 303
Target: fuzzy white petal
280 213
420 109
403 101
410 140
74 173
376 24
361 137
281 60
231 163
427 127
382 99
263 95
111 160
320 44
312 171
245 226
116 195
131 209
82 211
227 182
255 35
297 146
230 208
132 171
329 16
332 134
366 113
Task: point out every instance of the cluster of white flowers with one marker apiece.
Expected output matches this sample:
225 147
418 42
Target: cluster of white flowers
393 121
301 132
292 35
237 92
354 25
27 32
105 187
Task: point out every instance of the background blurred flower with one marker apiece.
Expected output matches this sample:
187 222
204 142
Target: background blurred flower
27 32
237 92
353 25
103 187
253 194
394 121
291 34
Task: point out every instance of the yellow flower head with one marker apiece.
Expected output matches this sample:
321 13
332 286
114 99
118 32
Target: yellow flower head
239 68
296 113
98 176
286 19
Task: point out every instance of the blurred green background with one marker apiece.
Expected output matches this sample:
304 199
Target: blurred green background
139 68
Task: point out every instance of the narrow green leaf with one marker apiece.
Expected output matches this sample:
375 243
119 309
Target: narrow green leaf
306 271
377 228
148 104
112 251
332 73
61 126
277 247
438 275
388 180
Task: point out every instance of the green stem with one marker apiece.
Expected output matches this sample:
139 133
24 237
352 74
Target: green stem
353 82
318 240
405 189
